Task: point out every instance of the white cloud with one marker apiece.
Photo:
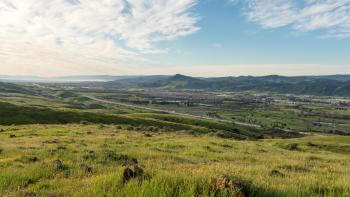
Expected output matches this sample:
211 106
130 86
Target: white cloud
74 32
332 16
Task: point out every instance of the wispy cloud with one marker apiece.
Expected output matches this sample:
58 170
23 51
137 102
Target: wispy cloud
332 16
104 31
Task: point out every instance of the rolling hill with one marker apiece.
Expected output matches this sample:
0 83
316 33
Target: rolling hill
308 85
14 88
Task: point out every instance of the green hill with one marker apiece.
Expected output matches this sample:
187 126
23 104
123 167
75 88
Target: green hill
14 88
308 85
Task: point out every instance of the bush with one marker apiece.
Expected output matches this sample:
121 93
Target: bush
229 135
83 122
292 147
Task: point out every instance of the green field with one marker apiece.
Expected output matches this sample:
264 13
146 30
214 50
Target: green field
69 145
94 157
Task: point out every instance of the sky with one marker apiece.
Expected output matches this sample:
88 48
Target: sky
193 37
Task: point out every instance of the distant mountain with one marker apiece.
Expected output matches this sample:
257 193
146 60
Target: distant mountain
332 85
135 79
334 77
179 82
82 78
308 85
141 79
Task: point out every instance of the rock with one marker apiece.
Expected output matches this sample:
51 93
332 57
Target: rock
128 174
135 172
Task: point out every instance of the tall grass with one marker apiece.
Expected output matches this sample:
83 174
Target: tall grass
175 164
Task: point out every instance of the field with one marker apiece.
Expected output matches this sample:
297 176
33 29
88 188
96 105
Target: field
268 111
63 143
89 160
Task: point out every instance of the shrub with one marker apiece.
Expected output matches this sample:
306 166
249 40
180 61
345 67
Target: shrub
292 147
229 135
84 122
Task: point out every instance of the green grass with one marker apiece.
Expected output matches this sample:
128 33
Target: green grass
17 115
291 117
175 164
72 146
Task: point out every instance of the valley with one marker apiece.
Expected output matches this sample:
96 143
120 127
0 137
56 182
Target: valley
56 137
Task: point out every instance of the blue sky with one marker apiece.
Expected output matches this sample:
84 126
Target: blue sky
228 37
195 37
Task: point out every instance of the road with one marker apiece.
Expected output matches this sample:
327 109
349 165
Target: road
188 115
170 112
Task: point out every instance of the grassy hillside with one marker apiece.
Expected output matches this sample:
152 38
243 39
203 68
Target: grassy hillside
13 88
92 160
50 147
13 114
